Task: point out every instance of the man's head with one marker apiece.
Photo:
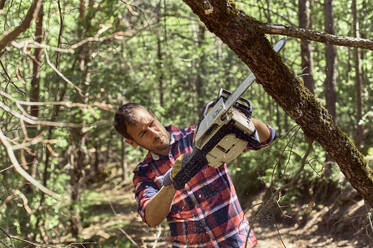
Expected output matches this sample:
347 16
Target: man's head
140 127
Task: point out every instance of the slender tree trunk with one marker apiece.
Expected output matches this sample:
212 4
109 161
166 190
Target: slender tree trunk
201 68
32 159
238 31
331 58
359 127
35 87
124 162
55 112
331 73
160 59
78 135
35 82
306 49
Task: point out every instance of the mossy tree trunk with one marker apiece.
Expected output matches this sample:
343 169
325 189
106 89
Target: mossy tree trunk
239 32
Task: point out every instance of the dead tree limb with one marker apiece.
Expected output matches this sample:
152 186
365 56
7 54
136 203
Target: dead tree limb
10 35
21 171
240 33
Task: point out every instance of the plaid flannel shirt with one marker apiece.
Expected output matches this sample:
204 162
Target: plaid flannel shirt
206 213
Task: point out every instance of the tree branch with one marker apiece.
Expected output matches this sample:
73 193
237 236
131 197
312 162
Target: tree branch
100 105
14 195
36 122
241 34
21 171
10 35
315 36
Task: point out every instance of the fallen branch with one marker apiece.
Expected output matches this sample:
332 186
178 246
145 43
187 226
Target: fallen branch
21 171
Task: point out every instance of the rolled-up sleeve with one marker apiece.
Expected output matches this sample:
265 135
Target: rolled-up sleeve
145 188
272 137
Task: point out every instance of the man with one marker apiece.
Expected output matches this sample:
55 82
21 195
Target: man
206 213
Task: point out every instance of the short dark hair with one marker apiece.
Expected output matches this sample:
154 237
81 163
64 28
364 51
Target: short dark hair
125 115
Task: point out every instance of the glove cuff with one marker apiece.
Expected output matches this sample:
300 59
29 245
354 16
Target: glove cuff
167 178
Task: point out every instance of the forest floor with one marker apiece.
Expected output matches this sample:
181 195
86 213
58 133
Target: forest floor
112 213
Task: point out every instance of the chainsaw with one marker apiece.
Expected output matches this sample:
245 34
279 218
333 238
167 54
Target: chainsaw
223 131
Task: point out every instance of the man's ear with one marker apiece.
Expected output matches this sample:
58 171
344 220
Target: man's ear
131 142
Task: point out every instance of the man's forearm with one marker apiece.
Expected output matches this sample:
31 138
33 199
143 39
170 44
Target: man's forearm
159 206
262 129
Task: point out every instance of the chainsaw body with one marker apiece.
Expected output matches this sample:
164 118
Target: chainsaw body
224 133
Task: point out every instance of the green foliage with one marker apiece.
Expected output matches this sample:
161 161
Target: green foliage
166 61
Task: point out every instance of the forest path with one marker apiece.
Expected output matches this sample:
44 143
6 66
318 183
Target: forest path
113 213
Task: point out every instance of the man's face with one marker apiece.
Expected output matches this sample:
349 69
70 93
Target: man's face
149 133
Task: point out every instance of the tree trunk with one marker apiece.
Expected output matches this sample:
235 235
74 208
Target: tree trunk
124 162
78 135
331 57
331 73
32 159
201 70
305 45
359 127
35 87
239 32
160 58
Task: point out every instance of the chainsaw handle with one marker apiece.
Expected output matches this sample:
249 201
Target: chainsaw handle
206 107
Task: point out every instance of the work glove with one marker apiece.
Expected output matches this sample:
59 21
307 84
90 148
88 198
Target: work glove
180 162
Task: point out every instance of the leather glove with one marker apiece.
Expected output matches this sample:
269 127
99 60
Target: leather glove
168 178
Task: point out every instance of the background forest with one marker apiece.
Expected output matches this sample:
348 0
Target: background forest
66 65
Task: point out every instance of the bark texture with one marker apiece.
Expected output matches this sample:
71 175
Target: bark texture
238 31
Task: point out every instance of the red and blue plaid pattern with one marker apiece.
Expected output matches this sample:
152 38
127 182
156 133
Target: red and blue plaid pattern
206 213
